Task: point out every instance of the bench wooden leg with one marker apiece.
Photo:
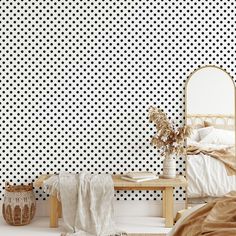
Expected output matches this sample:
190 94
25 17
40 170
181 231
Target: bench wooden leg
54 204
163 204
59 210
169 206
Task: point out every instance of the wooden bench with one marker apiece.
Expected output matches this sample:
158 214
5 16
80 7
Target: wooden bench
165 185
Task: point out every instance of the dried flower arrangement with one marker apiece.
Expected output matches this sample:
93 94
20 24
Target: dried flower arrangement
169 138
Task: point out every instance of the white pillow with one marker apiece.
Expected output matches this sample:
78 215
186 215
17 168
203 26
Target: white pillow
203 132
194 135
192 143
220 136
212 146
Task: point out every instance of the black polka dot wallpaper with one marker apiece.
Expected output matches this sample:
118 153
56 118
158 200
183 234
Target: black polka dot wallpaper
77 79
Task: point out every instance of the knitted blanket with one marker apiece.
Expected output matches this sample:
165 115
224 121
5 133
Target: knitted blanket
87 203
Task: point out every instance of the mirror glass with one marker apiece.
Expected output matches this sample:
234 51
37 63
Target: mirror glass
210 111
210 91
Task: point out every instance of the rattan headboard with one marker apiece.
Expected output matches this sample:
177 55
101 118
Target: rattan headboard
217 120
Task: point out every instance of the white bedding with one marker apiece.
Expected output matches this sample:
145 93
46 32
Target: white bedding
208 177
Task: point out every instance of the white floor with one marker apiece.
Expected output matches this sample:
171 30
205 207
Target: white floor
39 227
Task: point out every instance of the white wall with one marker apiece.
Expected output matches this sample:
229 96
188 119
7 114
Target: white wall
77 78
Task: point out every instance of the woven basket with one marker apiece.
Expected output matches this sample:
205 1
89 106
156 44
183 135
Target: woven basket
19 204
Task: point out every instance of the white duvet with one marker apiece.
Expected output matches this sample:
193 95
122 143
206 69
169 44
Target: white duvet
207 177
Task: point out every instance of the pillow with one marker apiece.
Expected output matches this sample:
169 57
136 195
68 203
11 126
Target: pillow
212 146
192 143
220 137
194 136
203 132
197 126
219 126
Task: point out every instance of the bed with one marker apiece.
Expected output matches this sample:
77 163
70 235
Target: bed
207 176
216 218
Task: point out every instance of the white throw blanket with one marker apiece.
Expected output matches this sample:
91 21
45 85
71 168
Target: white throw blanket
87 203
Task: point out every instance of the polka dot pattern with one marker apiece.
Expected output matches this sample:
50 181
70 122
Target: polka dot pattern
77 78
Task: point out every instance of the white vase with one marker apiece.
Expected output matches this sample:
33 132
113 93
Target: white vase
169 167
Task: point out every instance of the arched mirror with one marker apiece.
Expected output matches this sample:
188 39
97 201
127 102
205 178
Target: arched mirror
210 111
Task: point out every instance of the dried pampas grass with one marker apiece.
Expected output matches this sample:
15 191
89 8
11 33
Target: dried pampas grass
169 138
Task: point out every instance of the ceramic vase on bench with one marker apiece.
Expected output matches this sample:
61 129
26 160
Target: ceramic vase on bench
169 167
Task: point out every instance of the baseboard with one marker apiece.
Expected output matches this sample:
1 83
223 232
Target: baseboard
121 208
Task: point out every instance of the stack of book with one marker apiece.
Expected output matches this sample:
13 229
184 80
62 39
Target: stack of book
139 176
